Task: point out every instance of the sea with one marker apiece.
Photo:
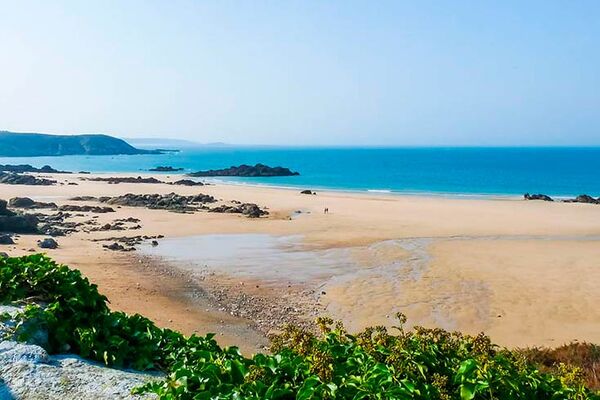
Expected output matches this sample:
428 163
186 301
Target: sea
445 171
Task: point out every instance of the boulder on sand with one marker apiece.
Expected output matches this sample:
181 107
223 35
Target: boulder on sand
48 243
539 196
14 223
6 239
26 202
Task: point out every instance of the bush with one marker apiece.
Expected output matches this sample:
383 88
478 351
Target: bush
374 364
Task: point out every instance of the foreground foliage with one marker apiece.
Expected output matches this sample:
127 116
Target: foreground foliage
374 364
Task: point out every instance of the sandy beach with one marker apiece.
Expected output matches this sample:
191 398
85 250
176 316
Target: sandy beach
524 272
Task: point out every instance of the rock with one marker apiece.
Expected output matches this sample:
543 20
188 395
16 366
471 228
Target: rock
29 372
15 223
154 243
127 179
171 201
21 202
117 247
26 202
3 254
28 168
17 179
83 198
3 210
307 192
584 198
52 231
258 170
250 210
48 243
165 169
94 209
6 239
543 197
187 182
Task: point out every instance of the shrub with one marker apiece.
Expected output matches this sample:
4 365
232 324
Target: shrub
374 364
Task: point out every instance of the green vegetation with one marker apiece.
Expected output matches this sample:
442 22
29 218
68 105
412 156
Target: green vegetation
13 144
374 364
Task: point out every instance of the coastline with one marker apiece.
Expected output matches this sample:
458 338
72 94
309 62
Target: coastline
523 272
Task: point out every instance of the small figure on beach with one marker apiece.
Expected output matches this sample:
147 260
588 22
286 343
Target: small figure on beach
326 210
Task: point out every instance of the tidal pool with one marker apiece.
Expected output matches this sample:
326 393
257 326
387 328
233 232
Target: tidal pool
261 256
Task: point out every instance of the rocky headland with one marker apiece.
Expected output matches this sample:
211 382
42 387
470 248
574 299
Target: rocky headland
248 171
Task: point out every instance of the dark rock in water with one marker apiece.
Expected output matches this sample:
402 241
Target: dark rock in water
94 209
26 202
307 192
154 243
84 172
258 170
165 169
6 239
543 197
17 179
48 243
187 182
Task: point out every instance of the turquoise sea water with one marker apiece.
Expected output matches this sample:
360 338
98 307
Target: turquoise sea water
472 171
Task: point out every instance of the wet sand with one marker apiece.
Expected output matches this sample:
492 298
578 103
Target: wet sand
523 272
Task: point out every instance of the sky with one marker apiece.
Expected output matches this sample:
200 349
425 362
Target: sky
377 73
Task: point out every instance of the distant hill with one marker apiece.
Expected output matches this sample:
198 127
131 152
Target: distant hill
14 144
163 143
154 143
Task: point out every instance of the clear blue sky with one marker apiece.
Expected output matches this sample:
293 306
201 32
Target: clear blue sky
305 72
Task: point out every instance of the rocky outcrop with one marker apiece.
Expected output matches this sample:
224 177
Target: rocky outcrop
93 209
250 210
26 202
583 198
48 243
5 238
16 223
14 144
29 372
126 243
126 179
18 179
28 168
172 201
139 179
307 192
165 169
187 182
543 197
258 170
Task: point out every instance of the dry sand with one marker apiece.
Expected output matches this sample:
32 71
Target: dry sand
525 272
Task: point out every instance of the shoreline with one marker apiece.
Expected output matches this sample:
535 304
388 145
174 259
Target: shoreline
522 271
